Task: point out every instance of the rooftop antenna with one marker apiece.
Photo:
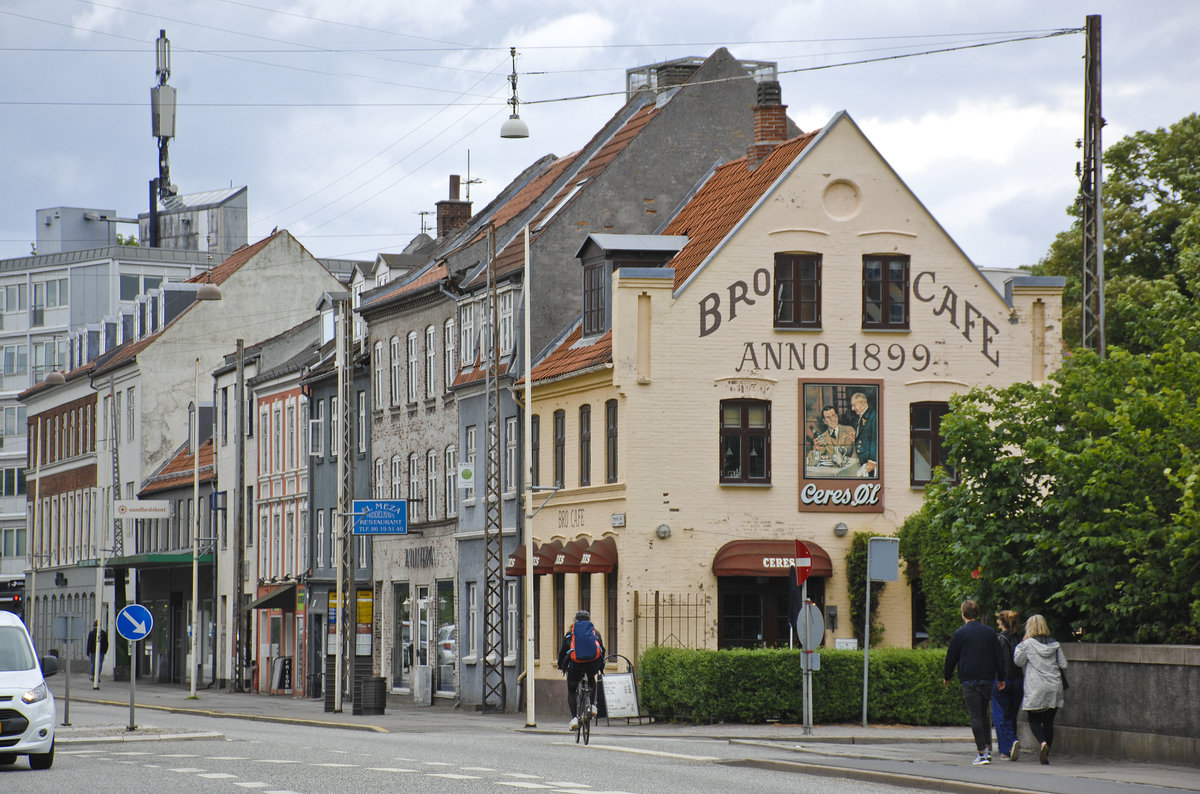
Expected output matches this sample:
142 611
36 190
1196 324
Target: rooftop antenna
424 225
162 119
470 181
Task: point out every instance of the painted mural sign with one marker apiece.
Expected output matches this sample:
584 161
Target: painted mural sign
840 446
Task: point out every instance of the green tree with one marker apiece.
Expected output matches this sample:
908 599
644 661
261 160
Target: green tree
1151 195
127 240
1076 499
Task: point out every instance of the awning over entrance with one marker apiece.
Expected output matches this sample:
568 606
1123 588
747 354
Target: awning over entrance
544 562
514 564
600 557
767 558
157 559
283 597
567 560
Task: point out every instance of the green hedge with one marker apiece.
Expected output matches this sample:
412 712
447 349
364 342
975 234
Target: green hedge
759 685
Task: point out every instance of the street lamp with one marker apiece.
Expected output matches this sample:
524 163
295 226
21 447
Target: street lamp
513 126
207 292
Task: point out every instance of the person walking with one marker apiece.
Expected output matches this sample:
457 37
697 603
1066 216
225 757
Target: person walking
1043 662
975 652
93 652
1006 700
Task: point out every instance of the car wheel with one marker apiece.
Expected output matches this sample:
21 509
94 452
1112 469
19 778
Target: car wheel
7 758
42 760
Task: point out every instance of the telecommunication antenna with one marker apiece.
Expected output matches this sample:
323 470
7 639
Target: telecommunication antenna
162 122
470 181
424 225
1090 194
493 540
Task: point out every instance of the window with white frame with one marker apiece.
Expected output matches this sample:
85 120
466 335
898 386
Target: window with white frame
451 482
414 488
290 431
264 450
320 539
360 554
430 361
397 388
413 371
277 548
510 455
361 424
335 428
431 484
469 456
449 364
466 347
301 430
277 438
514 619
379 382
131 407
264 530
507 300
316 431
289 542
303 525
472 626
397 477
380 483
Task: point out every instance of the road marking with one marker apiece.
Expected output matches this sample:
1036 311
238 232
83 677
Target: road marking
521 784
437 763
477 769
388 769
451 776
251 785
179 755
188 769
225 758
276 761
217 775
335 765
566 784
520 774
638 751
132 752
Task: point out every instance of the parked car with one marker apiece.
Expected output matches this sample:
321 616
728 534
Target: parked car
447 646
27 721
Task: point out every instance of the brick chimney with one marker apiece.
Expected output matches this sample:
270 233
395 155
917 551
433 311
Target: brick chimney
770 123
452 213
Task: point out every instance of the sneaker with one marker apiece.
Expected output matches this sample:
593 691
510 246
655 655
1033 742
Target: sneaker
595 712
574 726
1016 751
1044 755
980 760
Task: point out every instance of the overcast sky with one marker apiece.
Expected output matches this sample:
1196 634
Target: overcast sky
345 117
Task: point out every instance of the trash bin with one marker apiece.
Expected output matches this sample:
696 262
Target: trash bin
370 695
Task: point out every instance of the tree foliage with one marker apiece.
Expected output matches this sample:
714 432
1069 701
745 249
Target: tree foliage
1151 209
1076 499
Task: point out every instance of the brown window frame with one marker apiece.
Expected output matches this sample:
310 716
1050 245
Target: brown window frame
585 445
560 448
745 433
931 434
801 308
886 287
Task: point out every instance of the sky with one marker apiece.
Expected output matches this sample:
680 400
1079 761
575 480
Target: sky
345 118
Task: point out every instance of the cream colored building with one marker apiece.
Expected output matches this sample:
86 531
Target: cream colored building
685 415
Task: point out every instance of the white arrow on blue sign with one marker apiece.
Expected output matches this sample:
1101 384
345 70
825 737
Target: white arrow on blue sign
134 622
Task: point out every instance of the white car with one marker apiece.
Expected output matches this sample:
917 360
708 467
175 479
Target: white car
26 705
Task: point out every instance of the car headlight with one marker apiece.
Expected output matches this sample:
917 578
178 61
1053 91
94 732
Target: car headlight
37 694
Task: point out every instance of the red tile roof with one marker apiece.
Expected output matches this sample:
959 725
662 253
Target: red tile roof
570 357
180 470
724 200
218 274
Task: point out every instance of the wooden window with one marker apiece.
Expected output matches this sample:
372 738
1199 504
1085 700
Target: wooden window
925 439
610 441
585 445
745 441
885 292
560 447
797 291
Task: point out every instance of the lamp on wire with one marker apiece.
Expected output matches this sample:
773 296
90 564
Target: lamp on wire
208 291
514 127
55 378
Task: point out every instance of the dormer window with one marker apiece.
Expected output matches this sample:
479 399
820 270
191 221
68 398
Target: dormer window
594 292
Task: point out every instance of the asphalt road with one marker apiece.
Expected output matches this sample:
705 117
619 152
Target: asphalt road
270 757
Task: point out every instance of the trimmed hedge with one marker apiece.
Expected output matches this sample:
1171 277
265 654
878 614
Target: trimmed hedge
753 686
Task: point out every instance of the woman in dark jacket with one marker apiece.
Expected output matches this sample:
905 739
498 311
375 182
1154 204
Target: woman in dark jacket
1006 703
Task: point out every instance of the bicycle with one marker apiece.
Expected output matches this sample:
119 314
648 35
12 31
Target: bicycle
583 708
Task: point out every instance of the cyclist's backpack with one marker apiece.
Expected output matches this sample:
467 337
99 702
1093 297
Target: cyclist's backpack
585 642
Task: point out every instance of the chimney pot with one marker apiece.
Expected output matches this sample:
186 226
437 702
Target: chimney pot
455 181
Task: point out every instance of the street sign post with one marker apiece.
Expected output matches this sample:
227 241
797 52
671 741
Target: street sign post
883 565
68 629
804 628
134 623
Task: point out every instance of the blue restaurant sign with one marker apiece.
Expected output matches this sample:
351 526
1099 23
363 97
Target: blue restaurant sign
380 517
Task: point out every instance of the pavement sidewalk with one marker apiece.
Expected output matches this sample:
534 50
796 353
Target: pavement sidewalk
932 758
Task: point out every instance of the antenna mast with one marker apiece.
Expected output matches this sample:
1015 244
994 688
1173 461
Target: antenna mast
162 121
1090 194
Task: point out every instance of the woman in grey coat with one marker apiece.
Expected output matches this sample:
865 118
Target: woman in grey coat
1042 658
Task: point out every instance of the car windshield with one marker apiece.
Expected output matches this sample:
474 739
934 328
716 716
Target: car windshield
15 653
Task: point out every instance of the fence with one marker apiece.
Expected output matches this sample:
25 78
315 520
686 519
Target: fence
676 620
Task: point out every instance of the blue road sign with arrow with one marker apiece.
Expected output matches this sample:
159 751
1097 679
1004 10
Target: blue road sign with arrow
134 622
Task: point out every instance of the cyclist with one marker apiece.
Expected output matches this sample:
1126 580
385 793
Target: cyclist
581 653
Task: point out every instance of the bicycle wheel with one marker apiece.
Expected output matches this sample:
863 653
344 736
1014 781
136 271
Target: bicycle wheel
583 712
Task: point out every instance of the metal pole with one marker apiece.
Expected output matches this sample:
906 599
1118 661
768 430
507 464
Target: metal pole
99 594
132 686
31 617
195 632
807 657
866 636
239 526
527 354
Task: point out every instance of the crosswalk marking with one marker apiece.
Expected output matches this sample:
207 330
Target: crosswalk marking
276 761
451 776
216 775
335 765
388 769
251 785
521 784
188 769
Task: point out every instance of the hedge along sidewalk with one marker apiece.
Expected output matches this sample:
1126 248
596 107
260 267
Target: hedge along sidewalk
754 686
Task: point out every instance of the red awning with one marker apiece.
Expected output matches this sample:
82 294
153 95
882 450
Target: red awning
544 562
514 564
767 558
600 557
567 560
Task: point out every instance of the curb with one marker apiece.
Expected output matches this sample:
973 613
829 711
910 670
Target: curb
119 739
252 717
885 778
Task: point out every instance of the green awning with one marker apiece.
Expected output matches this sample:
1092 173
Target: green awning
158 559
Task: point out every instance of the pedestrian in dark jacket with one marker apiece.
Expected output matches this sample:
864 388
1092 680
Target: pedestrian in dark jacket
975 652
1006 700
96 661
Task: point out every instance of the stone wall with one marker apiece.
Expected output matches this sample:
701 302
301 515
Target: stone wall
1131 701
